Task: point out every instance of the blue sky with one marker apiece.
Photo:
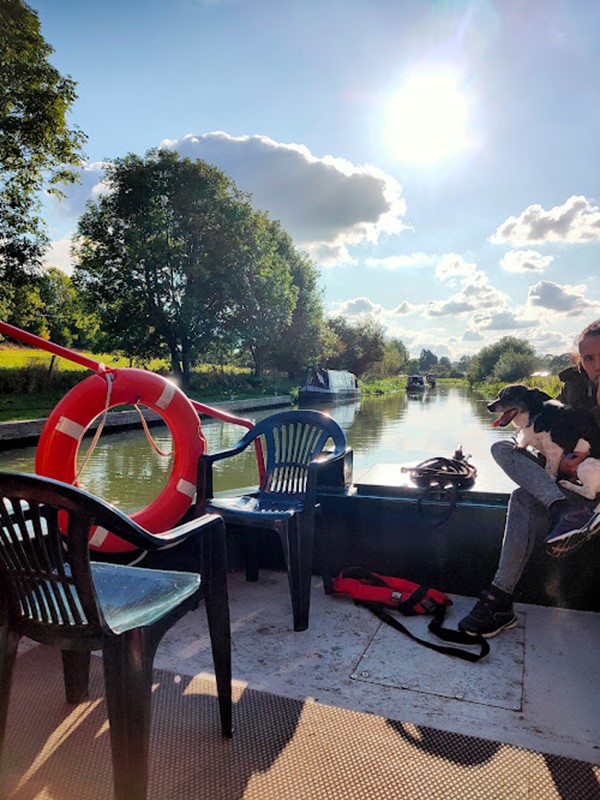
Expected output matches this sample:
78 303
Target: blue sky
438 160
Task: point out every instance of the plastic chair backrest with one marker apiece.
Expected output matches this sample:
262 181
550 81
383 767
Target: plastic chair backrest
291 441
45 566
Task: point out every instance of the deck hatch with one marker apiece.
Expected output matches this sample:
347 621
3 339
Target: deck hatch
395 660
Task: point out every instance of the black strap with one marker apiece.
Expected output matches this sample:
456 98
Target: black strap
435 626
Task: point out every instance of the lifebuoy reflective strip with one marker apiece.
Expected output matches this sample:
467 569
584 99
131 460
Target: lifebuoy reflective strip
63 432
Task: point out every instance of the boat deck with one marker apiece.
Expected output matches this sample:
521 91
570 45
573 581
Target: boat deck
538 688
537 691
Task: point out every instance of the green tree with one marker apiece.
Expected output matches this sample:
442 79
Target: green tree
512 367
67 322
444 366
263 295
463 363
302 341
174 261
427 360
483 364
37 148
363 344
394 361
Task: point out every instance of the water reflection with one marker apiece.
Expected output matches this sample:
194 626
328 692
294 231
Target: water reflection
390 429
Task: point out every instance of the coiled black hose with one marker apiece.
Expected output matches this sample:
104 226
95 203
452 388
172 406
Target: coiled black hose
442 476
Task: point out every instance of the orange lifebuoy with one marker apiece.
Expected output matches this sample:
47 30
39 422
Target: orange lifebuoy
61 436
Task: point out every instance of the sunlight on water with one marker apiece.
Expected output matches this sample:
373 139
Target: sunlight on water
392 429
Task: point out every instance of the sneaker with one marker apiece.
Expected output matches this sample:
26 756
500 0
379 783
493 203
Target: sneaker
561 543
490 615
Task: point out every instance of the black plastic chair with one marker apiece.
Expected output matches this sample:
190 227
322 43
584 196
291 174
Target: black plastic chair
293 445
51 592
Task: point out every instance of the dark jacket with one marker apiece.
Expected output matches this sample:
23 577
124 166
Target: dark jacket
579 391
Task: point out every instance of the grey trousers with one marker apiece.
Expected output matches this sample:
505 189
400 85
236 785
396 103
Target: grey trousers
527 519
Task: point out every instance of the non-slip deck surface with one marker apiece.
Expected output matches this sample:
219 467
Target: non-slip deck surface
282 749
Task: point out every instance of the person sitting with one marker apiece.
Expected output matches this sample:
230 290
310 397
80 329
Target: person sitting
539 504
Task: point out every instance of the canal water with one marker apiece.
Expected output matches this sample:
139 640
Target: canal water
390 429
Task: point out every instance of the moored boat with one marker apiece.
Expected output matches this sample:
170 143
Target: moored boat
415 383
329 386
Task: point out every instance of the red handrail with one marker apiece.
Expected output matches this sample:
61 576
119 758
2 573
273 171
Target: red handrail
98 366
57 349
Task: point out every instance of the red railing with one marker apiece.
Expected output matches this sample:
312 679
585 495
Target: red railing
98 366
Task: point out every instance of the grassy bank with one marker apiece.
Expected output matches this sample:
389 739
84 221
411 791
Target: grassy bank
32 383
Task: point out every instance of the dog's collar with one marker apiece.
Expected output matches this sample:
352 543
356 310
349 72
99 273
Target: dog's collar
533 419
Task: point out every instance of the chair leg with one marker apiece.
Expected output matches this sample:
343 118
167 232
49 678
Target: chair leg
298 546
216 597
128 663
76 670
9 641
251 538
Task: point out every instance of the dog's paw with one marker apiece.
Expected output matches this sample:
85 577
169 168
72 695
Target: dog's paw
577 488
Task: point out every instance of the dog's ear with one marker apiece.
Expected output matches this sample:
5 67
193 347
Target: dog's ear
538 396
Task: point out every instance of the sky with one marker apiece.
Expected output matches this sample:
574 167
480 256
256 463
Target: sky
438 160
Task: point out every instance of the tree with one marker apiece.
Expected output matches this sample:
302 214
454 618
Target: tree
444 366
427 360
363 344
394 360
37 148
512 367
66 321
302 341
483 363
263 296
462 365
175 261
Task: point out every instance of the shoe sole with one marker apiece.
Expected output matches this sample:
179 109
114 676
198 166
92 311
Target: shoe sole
591 528
567 543
564 547
490 634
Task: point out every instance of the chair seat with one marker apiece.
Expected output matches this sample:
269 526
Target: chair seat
256 508
133 597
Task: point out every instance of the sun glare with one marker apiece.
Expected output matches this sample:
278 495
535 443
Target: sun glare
426 119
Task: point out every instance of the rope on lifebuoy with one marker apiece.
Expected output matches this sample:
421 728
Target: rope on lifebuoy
65 428
96 439
149 436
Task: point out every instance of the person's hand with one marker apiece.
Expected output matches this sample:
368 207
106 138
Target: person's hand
569 463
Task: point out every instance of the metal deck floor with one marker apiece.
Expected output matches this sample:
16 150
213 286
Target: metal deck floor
539 688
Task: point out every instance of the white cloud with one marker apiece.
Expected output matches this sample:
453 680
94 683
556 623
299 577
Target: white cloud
525 261
328 255
91 186
569 300
472 336
452 267
402 261
405 308
474 295
577 220
58 255
319 201
501 321
326 204
356 307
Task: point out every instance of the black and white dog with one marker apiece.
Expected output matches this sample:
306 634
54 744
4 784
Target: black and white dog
552 429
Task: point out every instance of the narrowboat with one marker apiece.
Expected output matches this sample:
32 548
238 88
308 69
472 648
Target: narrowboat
415 383
328 386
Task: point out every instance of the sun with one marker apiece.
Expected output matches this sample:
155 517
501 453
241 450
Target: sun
426 119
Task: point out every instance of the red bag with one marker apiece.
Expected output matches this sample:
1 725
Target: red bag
374 591
408 597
